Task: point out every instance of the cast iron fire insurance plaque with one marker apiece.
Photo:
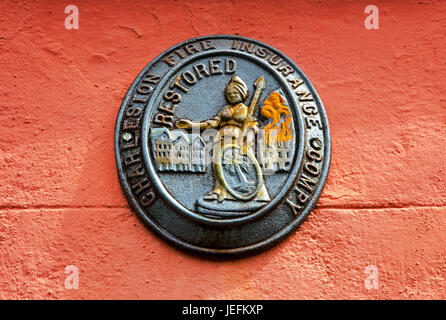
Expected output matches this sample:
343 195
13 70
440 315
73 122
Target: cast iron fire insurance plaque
222 145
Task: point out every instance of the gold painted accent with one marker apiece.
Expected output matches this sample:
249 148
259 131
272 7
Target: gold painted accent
236 124
228 188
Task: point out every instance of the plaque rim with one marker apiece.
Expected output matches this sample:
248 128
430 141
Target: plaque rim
247 249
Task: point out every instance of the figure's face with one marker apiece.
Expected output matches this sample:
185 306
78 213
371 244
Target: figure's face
233 96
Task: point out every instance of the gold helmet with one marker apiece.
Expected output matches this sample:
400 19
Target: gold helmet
240 85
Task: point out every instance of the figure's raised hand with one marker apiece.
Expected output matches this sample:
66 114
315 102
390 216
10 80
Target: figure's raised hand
183 124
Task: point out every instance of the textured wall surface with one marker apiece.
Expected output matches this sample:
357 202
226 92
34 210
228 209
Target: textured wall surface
384 203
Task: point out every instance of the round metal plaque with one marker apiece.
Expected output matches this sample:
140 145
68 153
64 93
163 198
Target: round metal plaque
222 145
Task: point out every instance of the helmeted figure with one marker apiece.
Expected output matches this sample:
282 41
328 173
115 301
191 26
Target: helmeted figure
235 127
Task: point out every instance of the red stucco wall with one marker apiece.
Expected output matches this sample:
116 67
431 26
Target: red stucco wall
384 203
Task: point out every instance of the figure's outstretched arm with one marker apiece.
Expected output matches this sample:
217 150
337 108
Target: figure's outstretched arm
208 124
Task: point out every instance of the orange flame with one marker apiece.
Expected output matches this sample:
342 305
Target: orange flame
281 126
